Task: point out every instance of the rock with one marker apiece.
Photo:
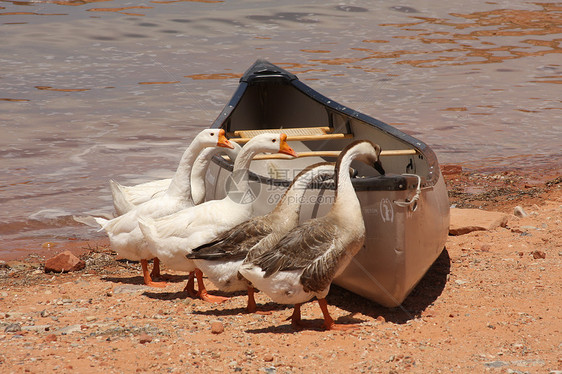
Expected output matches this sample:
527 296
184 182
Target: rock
217 327
69 329
381 319
519 212
13 327
129 288
464 221
64 262
51 338
268 357
36 328
495 364
18 265
145 338
538 254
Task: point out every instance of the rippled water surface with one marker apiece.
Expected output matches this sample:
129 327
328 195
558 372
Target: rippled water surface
92 90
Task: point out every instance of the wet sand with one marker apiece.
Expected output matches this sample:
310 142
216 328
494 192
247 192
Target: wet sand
491 302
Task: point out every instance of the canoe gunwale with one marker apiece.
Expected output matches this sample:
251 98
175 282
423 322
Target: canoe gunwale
395 182
264 73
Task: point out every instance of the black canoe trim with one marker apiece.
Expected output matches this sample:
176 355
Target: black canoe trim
378 183
264 71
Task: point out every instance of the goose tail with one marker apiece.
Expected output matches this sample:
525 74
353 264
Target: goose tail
120 202
148 228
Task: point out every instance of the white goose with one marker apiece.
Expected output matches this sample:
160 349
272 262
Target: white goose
303 263
220 259
126 198
123 231
171 238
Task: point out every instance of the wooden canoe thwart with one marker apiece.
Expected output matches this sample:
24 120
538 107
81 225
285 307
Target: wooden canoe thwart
293 134
330 154
406 210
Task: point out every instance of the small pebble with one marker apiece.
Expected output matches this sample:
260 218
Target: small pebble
538 254
217 327
268 357
145 338
51 338
519 212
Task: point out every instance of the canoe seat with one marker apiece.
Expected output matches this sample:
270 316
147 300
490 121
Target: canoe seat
293 134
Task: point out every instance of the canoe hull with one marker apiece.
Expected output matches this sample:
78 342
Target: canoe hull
401 241
400 245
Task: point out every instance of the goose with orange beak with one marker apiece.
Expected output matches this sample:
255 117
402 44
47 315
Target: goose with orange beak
173 237
304 262
126 198
124 234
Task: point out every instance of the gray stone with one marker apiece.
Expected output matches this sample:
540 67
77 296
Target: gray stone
69 330
519 212
129 288
37 328
495 364
13 327
528 362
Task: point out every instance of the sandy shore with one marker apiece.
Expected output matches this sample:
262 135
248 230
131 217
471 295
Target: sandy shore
491 302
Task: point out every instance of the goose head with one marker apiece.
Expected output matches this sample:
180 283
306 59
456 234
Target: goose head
365 151
274 143
214 136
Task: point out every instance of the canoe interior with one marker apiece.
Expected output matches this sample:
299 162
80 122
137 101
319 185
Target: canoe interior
401 242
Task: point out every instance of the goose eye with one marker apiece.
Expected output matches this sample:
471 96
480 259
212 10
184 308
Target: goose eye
212 134
274 140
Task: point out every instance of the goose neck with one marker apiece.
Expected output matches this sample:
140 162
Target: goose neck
181 181
293 197
345 193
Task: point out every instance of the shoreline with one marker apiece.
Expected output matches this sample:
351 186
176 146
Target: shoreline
489 303
483 188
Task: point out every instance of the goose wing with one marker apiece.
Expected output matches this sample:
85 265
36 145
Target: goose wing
309 248
235 243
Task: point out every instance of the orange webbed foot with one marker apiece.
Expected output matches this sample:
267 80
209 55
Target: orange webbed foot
203 295
156 284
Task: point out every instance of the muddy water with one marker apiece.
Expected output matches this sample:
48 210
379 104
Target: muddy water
92 90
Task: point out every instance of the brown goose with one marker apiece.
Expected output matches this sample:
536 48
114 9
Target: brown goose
220 259
303 263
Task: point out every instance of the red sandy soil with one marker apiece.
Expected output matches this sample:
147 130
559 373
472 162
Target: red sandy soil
491 302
